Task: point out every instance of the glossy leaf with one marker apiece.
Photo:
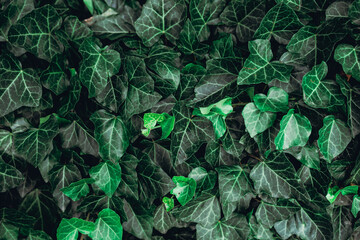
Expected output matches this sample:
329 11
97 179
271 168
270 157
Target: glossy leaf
276 100
77 190
349 57
107 176
184 190
107 226
69 228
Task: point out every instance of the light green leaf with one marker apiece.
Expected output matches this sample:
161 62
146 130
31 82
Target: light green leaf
256 121
10 177
280 22
19 87
277 100
165 121
319 92
334 137
107 226
35 143
276 176
168 203
295 130
69 228
160 18
258 68
97 66
77 190
36 33
184 190
111 134
349 57
107 176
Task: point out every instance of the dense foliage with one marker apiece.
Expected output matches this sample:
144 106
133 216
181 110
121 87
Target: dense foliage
179 119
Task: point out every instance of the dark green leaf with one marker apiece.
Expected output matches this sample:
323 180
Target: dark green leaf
77 190
10 177
107 176
107 226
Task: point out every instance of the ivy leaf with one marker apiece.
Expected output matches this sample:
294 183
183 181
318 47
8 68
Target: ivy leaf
169 204
69 102
341 220
160 18
97 66
38 235
36 33
280 22
78 189
35 143
258 68
129 182
353 105
337 10
204 13
165 121
295 130
204 209
256 121
204 180
189 43
353 12
54 77
111 134
10 177
276 176
184 190
277 100
19 87
307 155
235 227
107 226
189 133
107 176
355 206
320 93
315 44
246 16
75 30
69 228
349 57
334 137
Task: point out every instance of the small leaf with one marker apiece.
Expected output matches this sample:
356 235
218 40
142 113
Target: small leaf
184 190
169 203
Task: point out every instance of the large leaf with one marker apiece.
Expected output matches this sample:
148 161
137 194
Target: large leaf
276 176
107 176
245 15
36 33
319 92
10 177
160 18
97 66
111 135
18 87
69 228
107 226
280 22
334 137
258 68
189 133
35 143
295 130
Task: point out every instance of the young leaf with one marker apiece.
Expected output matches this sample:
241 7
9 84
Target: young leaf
168 203
184 190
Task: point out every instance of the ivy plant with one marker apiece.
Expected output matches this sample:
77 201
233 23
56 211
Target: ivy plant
179 119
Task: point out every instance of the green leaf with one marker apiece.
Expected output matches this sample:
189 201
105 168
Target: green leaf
35 143
97 66
16 218
353 105
246 16
295 130
349 57
188 134
75 30
184 190
319 92
188 42
69 228
77 190
307 155
355 207
235 227
160 18
276 176
341 221
107 226
334 137
334 192
223 47
107 176
204 180
275 101
256 121
69 101
163 220
10 177
19 87
337 10
129 182
54 77
280 22
111 134
315 44
36 33
38 235
354 12
61 176
168 203
9 231
204 209
165 121
13 12
258 68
